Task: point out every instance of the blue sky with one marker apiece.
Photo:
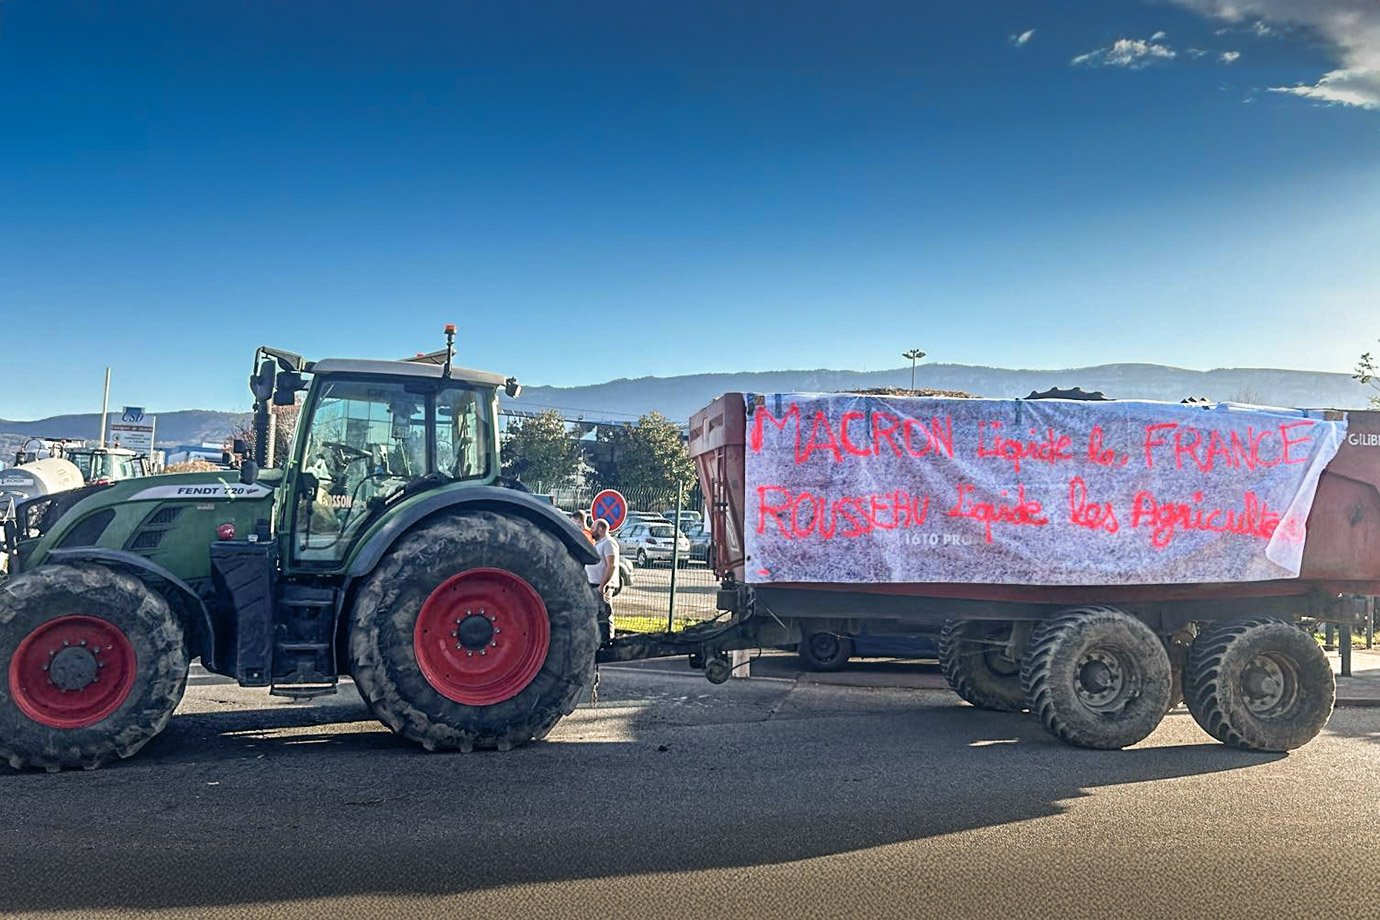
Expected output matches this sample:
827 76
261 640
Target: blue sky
596 190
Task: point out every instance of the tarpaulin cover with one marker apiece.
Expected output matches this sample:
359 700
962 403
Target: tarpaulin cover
844 488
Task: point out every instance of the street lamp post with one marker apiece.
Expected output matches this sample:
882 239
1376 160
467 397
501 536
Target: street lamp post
914 355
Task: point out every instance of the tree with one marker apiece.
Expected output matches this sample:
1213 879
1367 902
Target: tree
284 423
1369 374
540 450
649 456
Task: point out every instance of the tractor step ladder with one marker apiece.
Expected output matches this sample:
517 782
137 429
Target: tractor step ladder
304 664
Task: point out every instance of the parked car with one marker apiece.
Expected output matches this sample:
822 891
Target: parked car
698 535
635 517
625 575
686 521
829 649
647 542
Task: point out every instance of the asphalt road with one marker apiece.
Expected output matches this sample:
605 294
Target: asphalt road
674 798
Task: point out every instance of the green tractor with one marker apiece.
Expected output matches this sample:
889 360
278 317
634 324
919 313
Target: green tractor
387 548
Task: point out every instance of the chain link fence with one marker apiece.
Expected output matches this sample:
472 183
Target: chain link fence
654 594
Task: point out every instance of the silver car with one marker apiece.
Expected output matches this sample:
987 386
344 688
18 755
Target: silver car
648 542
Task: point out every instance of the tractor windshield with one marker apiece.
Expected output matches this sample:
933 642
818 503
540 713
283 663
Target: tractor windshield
366 439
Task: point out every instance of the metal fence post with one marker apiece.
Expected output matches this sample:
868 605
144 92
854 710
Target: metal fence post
1370 622
1344 646
675 557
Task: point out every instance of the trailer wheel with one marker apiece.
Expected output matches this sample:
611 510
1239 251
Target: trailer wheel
1259 684
474 631
1097 677
95 665
824 650
972 656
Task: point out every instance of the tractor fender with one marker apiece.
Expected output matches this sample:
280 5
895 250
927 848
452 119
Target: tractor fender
473 498
181 597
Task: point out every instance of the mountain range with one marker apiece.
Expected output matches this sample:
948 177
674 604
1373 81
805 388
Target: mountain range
679 397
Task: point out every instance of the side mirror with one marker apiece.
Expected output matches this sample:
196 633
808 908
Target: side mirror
261 382
288 385
239 446
512 388
249 472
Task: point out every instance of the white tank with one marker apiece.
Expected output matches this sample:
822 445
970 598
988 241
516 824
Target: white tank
38 478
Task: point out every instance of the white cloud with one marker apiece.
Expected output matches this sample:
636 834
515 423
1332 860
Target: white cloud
1340 87
1157 36
1351 28
1195 53
1131 53
1023 37
1229 57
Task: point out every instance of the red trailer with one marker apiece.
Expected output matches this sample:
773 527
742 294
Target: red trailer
1099 662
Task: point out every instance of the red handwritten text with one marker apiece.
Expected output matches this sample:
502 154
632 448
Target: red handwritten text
1050 447
797 515
1025 512
1166 517
1207 450
854 434
1089 514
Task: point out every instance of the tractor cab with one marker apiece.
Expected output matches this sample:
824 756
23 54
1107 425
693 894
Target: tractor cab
370 434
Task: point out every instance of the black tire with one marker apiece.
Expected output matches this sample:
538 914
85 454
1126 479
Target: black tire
976 669
642 560
1097 677
66 593
383 656
1259 684
825 650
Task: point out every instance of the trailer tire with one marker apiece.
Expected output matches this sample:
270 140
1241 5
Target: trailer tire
976 670
487 574
1259 684
825 650
120 654
1097 677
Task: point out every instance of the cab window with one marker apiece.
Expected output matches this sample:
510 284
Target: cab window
366 440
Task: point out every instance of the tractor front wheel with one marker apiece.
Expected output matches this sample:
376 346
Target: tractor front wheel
95 663
474 631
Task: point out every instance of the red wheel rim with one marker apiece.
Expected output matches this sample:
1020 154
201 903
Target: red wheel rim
72 672
482 636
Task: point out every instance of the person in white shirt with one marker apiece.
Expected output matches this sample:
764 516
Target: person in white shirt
603 575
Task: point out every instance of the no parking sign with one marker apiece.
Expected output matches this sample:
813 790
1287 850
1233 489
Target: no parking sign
610 505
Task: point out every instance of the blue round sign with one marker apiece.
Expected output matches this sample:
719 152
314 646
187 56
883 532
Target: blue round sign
610 505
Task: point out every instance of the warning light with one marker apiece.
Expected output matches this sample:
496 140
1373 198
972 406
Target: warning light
225 531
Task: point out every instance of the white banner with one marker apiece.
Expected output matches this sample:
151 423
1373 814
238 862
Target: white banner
1041 492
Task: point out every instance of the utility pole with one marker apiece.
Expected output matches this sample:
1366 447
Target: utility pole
105 406
913 355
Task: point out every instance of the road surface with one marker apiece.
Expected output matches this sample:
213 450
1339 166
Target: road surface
676 798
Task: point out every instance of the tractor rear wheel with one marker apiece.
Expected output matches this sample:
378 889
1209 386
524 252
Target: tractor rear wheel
1259 684
475 631
95 663
1097 677
973 659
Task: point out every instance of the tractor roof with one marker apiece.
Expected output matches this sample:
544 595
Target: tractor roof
404 369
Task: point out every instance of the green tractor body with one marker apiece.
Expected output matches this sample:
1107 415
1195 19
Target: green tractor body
387 547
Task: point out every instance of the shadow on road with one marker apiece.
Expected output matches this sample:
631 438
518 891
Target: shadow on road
249 807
